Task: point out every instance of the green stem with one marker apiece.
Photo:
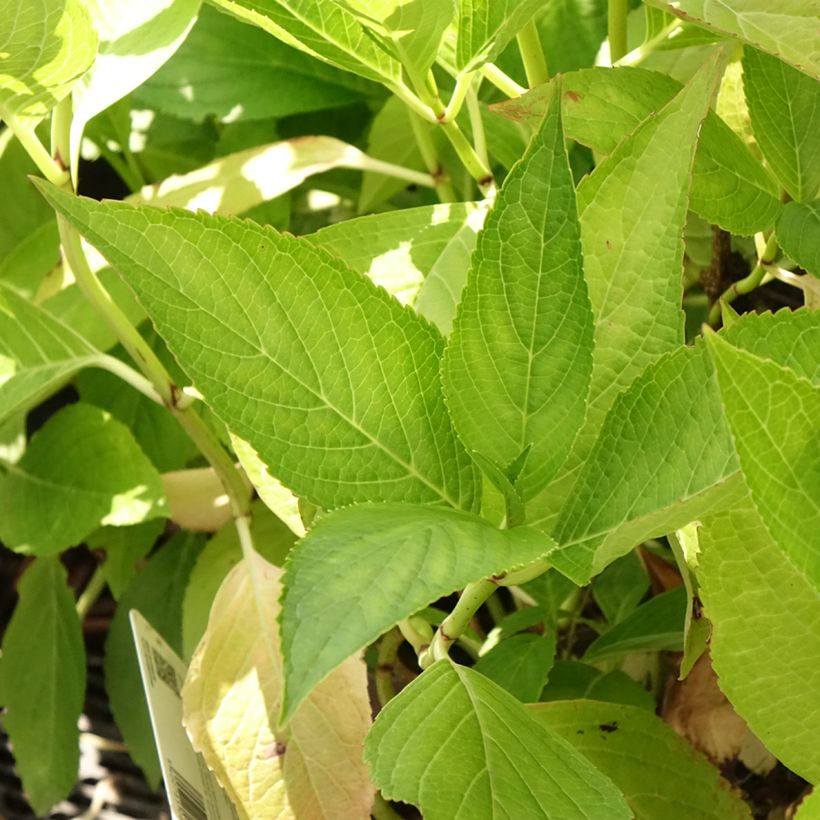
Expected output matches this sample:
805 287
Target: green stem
429 154
130 376
417 632
532 54
477 125
139 350
90 594
617 11
577 612
472 161
236 485
503 82
366 163
385 665
464 83
473 596
52 170
411 100
121 167
639 54
749 283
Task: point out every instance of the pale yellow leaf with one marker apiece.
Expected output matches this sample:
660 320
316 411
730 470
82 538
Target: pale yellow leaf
310 770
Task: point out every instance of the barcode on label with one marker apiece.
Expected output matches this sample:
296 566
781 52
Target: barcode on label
188 801
164 671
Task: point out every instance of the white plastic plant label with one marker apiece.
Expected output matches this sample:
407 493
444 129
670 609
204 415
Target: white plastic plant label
193 792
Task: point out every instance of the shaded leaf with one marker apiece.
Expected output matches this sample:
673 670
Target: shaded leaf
798 232
156 592
520 664
43 683
226 69
659 774
654 626
571 680
81 470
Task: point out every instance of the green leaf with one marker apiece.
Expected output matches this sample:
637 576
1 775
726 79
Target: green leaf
602 107
311 768
47 47
486 26
654 626
38 354
526 284
798 232
765 640
410 30
398 249
338 416
774 415
226 69
156 592
586 19
785 28
633 208
784 106
135 39
271 538
571 680
29 244
499 761
81 470
390 139
620 587
124 546
520 664
43 682
238 182
671 416
440 293
379 564
659 773
324 29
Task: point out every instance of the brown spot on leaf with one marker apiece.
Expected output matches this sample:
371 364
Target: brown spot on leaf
277 749
609 727
573 95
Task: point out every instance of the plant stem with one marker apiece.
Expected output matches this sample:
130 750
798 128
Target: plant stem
410 99
416 632
366 163
429 154
532 53
385 664
639 54
617 11
139 350
464 83
456 622
496 608
472 161
53 171
91 592
477 125
130 376
766 257
235 483
503 82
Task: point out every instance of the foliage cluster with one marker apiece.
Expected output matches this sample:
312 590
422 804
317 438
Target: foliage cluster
395 359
